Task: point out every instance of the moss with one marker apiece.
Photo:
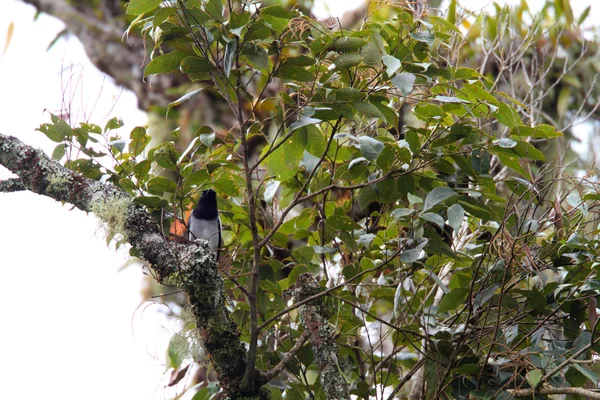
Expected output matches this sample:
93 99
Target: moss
113 214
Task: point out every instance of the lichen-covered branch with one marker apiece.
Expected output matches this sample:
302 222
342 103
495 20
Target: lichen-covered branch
189 265
574 391
313 316
12 185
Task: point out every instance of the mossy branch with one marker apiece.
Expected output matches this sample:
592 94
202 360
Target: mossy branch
189 264
313 316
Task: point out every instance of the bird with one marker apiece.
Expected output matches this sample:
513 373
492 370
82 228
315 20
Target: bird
205 223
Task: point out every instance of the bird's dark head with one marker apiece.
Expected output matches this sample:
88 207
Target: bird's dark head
207 205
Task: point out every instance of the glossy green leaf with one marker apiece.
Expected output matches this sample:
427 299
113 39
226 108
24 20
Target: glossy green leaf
533 377
159 185
405 82
230 55
303 122
391 63
270 190
137 7
370 148
139 140
166 156
456 214
257 55
453 300
437 195
341 222
59 152
165 63
367 109
346 61
349 44
434 218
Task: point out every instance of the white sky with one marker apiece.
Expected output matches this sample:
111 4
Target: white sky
70 328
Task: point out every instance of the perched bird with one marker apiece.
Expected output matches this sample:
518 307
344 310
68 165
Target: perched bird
204 223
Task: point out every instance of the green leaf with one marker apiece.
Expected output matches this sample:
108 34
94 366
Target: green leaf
300 61
303 121
256 55
139 140
453 300
425 37
367 109
477 210
165 63
150 201
184 98
533 377
214 8
373 51
341 222
358 160
584 15
451 14
426 112
591 375
113 123
480 161
541 131
366 196
59 152
279 12
51 132
207 139
412 199
294 73
507 115
399 213
141 170
456 214
437 280
284 161
450 99
405 82
309 161
166 156
348 94
226 186
159 185
270 190
505 143
437 195
137 7
391 63
478 94
177 351
349 44
434 218
370 148
230 54
346 61
118 145
412 255
196 68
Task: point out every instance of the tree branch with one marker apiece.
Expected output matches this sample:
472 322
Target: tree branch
12 185
588 394
313 316
189 265
288 357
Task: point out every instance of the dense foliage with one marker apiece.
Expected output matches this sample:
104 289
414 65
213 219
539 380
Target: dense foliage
453 258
